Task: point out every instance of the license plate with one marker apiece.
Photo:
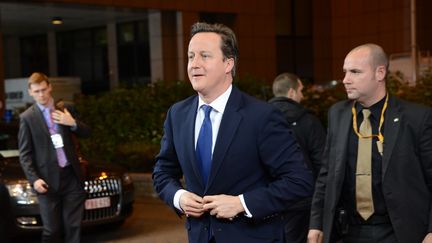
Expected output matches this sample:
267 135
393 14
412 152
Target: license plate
95 203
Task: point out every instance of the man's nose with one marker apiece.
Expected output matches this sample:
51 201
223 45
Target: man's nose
345 79
194 62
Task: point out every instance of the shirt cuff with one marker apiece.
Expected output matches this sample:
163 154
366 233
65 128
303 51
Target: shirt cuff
247 212
176 200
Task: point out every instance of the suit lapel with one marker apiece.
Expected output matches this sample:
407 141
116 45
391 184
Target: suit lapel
392 121
344 127
230 121
188 128
39 119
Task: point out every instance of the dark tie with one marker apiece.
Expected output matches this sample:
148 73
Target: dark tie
364 200
204 144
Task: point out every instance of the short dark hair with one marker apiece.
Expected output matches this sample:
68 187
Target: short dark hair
37 78
284 82
228 44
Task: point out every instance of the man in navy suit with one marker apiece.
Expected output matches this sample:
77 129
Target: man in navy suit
242 167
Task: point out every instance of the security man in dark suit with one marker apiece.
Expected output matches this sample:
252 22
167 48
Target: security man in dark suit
376 181
49 160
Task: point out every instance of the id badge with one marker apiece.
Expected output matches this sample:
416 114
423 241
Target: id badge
57 140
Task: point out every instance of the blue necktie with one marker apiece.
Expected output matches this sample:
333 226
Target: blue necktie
204 144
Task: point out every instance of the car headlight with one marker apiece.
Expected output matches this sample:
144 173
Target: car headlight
127 179
22 192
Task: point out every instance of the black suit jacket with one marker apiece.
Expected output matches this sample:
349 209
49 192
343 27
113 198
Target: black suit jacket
406 172
254 155
38 156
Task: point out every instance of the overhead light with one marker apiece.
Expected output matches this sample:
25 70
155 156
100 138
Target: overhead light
56 20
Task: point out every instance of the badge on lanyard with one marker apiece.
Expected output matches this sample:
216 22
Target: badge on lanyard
57 140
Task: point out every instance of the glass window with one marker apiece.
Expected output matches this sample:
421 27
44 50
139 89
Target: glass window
133 53
83 53
294 33
34 55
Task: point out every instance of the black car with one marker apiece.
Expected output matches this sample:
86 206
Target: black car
110 195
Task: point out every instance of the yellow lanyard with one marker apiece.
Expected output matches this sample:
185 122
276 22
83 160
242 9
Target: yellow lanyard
381 122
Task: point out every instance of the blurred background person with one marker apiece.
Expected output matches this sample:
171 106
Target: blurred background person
310 134
50 162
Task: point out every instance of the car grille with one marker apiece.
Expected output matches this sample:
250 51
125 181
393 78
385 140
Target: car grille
110 187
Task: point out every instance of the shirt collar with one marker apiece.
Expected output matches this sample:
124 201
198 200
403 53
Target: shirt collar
50 105
375 109
219 103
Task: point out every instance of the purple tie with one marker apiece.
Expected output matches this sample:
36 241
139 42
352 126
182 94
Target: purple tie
52 127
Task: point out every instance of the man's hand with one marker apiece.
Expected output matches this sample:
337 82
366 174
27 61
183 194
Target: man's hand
40 186
223 206
63 118
315 236
428 238
191 204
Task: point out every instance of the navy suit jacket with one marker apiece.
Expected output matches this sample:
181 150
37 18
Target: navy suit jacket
406 169
254 155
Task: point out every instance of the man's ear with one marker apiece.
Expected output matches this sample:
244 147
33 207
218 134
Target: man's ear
290 93
229 65
380 73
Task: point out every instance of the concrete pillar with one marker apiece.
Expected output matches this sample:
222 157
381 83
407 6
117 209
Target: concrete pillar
180 47
155 39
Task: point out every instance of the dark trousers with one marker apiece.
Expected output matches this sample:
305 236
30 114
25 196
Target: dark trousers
62 211
296 226
5 220
368 233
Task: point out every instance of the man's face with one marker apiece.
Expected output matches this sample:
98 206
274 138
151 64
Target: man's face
41 92
208 71
360 79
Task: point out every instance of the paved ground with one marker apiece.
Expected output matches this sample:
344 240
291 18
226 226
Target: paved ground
151 222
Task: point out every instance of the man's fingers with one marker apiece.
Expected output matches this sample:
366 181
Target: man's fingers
196 198
40 186
209 199
191 204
